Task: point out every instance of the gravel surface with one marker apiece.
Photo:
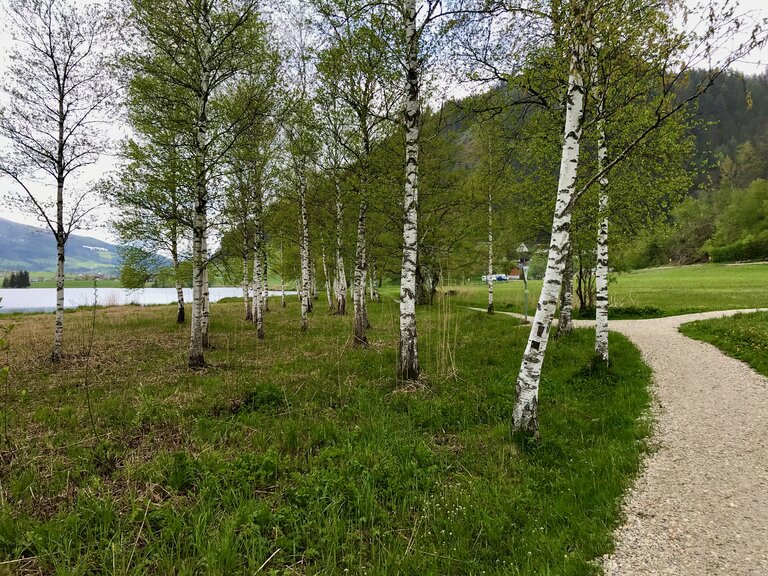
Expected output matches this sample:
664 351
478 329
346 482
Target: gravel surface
700 507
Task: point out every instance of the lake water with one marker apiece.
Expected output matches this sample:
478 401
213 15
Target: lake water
44 299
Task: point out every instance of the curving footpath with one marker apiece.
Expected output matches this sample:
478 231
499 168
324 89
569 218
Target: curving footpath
700 506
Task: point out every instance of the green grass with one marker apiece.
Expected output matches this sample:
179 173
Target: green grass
743 336
304 451
651 293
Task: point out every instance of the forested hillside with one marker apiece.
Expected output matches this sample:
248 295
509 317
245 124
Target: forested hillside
725 216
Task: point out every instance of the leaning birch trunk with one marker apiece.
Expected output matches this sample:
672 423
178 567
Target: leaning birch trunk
196 359
205 321
327 280
407 356
565 322
58 333
525 417
489 277
340 279
246 279
358 286
601 270
306 300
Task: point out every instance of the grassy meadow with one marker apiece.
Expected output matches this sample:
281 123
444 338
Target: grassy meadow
302 455
653 292
743 336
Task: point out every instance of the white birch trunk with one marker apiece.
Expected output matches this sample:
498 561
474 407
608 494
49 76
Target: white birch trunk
407 357
58 333
264 274
306 299
374 283
358 286
258 307
340 278
313 276
525 417
196 359
601 270
177 280
327 279
489 277
205 321
246 279
282 276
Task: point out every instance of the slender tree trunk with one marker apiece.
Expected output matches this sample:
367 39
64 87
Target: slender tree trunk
246 279
358 287
327 279
313 276
264 273
282 276
407 356
601 270
58 334
565 322
340 278
306 298
489 277
258 294
176 278
206 294
196 359
374 283
525 417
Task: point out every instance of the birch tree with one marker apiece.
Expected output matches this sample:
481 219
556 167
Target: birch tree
585 24
194 51
58 89
358 72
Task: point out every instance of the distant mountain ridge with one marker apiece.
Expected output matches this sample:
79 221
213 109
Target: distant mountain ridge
24 247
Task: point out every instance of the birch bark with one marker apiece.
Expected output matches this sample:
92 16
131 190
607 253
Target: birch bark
601 270
264 273
565 322
282 276
340 277
258 308
525 418
175 259
205 321
327 279
407 357
306 298
196 358
358 287
489 277
246 280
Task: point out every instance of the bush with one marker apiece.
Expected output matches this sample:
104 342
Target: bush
748 248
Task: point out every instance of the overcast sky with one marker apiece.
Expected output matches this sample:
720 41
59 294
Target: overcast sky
754 63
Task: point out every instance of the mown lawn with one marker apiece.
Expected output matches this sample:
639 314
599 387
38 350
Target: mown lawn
302 455
743 336
652 293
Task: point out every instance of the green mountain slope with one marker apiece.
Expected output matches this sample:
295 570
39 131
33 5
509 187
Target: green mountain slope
25 247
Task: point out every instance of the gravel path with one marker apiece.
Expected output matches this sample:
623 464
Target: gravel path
700 506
